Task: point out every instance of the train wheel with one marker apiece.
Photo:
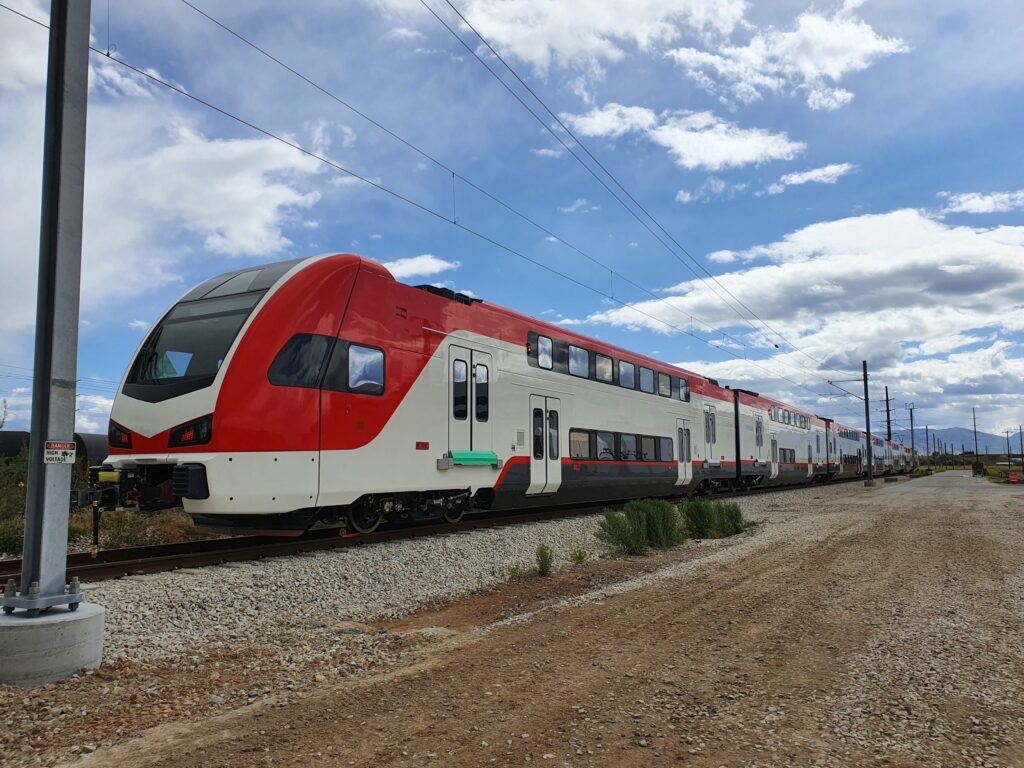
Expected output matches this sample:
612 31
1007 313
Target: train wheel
454 514
366 519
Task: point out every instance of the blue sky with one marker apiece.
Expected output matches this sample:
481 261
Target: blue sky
850 172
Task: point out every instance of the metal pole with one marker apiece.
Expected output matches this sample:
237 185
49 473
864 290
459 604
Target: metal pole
888 417
913 450
1020 431
974 418
56 343
927 444
1009 462
870 482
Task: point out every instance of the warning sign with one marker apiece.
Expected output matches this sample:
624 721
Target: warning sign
58 452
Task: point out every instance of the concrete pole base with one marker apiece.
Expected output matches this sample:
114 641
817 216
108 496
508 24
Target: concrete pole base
51 646
869 483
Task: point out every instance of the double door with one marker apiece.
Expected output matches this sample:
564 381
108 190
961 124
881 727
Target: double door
685 459
469 399
545 444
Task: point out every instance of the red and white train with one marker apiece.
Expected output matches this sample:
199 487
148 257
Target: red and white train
323 389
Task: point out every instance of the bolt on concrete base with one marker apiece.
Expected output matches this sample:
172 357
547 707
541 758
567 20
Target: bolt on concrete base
51 646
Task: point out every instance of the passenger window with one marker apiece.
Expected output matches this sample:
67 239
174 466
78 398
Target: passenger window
606 446
627 447
460 390
365 370
552 434
759 431
684 390
579 362
300 360
481 393
603 368
687 436
627 375
538 433
664 385
544 352
665 449
647 449
647 380
579 444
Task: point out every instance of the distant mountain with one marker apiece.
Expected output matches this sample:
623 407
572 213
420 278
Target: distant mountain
959 438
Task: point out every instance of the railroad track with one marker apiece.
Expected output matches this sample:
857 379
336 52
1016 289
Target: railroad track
115 563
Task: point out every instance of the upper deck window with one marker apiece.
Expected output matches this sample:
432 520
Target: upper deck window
579 361
647 380
603 367
627 375
544 352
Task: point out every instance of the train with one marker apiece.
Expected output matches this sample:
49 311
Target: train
272 398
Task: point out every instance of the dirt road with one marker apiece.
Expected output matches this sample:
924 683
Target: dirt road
885 629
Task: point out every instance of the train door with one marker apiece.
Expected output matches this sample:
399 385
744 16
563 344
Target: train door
775 457
810 461
545 445
469 396
685 471
710 453
758 440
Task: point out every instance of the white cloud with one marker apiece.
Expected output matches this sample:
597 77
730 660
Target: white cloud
812 57
376 236
980 202
613 120
711 188
826 174
586 34
139 325
22 60
548 152
423 265
703 140
694 139
579 204
404 33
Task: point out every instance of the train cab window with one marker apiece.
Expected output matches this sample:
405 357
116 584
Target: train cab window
647 380
579 362
300 361
603 368
684 390
606 446
647 449
664 385
365 370
460 389
627 448
538 433
481 392
665 449
627 375
553 435
579 444
544 352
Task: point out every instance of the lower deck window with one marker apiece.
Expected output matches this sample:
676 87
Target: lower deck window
579 444
606 446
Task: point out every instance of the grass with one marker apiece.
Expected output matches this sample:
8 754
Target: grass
706 519
545 560
642 525
579 555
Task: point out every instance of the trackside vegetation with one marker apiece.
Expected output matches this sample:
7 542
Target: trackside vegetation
656 524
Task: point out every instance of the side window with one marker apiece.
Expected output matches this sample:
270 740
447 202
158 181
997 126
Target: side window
714 433
759 431
647 449
460 390
665 449
365 370
647 380
664 385
300 360
538 433
605 446
817 443
627 375
684 390
481 392
603 368
627 447
579 444
553 435
579 362
544 352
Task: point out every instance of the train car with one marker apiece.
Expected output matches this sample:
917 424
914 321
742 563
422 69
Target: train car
316 389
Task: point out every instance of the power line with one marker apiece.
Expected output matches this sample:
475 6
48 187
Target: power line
610 175
402 198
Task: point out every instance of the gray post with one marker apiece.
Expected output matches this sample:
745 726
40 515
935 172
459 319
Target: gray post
888 419
56 343
913 450
1020 431
870 482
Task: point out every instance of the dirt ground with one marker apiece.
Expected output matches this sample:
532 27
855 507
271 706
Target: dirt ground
884 629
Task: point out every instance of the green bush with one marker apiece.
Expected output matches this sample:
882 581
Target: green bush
712 519
642 525
13 477
625 532
545 559
579 555
12 535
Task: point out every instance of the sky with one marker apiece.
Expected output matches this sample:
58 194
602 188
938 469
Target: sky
829 182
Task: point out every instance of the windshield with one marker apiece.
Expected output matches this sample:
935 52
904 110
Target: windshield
192 341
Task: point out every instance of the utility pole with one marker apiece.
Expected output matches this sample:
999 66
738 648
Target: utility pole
927 442
1009 461
977 466
1020 431
913 452
870 482
888 417
974 418
36 649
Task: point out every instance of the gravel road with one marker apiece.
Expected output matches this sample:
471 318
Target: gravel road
880 627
